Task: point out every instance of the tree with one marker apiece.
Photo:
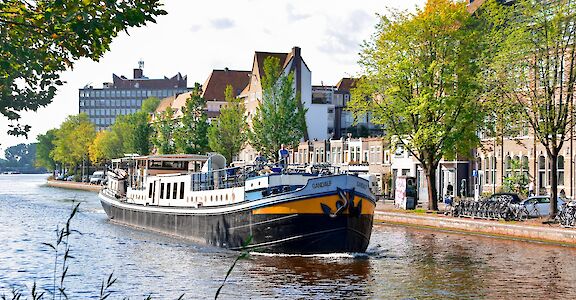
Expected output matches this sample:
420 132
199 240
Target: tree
40 39
227 135
279 119
517 180
191 134
73 140
533 65
149 105
44 148
106 146
420 83
163 132
20 156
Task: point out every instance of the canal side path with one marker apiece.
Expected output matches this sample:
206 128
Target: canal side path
74 185
530 230
386 213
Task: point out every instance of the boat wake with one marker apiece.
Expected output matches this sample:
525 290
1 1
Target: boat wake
323 256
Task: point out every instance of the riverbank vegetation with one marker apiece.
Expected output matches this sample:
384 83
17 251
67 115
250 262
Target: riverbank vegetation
76 143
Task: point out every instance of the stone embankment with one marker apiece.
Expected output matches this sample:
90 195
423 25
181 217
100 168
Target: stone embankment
74 185
532 230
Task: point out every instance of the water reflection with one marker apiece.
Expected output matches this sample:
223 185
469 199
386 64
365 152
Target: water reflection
341 276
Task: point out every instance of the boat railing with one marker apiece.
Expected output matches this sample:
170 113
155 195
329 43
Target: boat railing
237 176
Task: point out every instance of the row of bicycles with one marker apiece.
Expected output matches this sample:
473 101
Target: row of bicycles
567 214
505 207
494 208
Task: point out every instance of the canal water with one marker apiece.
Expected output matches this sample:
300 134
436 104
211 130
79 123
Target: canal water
401 263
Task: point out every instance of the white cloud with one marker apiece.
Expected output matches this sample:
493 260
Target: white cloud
191 39
223 23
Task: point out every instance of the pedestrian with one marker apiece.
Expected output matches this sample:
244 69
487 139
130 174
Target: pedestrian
450 189
531 189
283 156
260 159
562 194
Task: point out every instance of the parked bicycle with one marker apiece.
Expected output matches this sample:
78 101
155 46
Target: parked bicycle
498 206
567 214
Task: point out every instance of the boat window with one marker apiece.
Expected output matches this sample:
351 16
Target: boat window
161 190
168 190
181 190
150 191
175 191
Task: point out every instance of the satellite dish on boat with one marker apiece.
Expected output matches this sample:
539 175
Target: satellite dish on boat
215 162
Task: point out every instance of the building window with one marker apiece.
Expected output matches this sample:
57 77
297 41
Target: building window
541 171
508 164
560 170
525 166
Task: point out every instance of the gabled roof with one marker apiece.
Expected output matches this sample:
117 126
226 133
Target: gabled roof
215 86
346 84
180 100
164 103
261 56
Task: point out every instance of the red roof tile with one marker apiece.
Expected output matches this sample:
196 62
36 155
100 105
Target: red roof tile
215 86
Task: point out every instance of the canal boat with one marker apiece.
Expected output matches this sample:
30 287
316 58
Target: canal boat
262 208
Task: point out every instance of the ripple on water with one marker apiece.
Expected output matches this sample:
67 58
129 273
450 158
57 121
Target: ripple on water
401 263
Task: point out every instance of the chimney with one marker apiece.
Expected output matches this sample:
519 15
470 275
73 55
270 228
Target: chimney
138 73
296 51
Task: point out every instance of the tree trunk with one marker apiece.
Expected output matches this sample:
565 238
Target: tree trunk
554 184
431 182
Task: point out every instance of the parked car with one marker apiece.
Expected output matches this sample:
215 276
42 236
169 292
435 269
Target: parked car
514 198
70 178
97 177
539 206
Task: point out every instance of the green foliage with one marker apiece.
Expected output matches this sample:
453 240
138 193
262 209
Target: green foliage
40 39
73 140
150 104
163 132
517 181
44 150
531 64
420 83
20 156
107 145
134 132
191 134
279 119
227 135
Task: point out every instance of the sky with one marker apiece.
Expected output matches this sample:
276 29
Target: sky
196 37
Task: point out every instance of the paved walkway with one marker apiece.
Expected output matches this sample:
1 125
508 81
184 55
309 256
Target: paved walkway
532 229
74 185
